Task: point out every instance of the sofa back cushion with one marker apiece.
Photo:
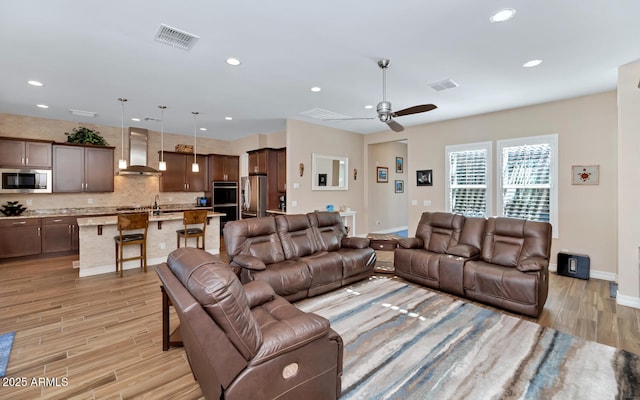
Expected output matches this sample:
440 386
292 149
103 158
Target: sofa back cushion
214 285
329 228
508 241
439 230
256 237
297 236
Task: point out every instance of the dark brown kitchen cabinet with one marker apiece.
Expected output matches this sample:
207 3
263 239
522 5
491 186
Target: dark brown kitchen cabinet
20 237
282 170
224 168
179 177
25 153
59 234
271 162
82 168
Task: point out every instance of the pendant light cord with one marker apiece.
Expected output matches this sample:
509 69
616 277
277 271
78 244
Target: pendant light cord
195 141
122 100
162 132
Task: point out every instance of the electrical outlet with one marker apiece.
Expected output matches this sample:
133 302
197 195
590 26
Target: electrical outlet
170 199
294 203
414 202
296 185
427 203
163 245
90 200
29 202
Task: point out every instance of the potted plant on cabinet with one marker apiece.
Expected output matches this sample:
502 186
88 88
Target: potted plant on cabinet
84 135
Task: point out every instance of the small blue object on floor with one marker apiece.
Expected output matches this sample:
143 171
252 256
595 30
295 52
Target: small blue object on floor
6 341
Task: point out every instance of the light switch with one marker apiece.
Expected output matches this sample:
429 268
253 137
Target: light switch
427 203
414 202
294 203
296 185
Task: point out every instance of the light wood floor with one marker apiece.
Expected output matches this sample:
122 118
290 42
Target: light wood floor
100 337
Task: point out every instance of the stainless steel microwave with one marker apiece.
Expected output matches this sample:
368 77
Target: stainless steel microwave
25 180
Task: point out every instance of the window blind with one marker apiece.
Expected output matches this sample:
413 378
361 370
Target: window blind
468 182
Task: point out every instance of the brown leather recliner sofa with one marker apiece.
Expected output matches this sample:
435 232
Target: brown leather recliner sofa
503 262
298 255
246 342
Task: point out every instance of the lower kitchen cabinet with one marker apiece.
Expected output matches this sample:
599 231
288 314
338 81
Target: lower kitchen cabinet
59 234
20 237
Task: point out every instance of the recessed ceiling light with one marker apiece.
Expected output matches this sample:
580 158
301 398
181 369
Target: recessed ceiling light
135 119
35 83
315 89
503 15
368 106
532 63
203 129
228 118
232 61
42 106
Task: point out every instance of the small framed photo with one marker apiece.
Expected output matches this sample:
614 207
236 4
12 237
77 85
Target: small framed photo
382 174
399 186
585 174
399 165
424 177
322 179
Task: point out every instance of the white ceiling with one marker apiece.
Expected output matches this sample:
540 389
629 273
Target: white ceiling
89 53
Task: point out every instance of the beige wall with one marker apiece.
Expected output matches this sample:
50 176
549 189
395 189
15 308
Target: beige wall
302 140
629 187
387 209
587 130
128 190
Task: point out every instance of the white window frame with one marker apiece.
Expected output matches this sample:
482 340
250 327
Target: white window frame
552 141
487 146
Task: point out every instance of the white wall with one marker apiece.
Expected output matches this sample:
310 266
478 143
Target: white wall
387 209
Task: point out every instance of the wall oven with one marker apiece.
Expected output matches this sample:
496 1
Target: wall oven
25 180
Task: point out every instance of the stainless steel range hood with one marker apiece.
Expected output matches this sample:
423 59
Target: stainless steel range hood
138 146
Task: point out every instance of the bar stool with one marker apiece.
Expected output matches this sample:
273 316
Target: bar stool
131 222
193 217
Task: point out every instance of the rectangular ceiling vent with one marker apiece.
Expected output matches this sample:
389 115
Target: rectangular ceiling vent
175 37
82 113
152 119
321 113
444 85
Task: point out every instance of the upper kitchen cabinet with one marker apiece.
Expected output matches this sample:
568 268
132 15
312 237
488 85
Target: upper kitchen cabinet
282 169
179 178
78 168
25 153
224 168
271 162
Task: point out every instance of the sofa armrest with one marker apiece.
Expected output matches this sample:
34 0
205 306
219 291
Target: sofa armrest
411 243
463 250
258 293
532 264
249 262
354 242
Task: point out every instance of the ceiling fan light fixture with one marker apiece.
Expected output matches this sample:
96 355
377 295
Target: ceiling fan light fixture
502 15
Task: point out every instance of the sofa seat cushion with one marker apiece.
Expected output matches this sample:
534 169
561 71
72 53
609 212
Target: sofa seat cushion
504 283
325 267
284 328
357 261
286 277
417 262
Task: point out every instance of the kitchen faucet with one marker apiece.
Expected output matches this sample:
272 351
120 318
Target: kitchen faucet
156 205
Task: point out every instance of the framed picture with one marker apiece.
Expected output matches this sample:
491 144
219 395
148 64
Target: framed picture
382 174
585 174
400 186
399 165
322 179
424 177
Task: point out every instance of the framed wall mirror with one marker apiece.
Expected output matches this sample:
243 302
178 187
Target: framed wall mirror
329 172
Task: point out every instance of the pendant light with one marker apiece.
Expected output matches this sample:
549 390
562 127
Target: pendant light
162 166
122 164
195 167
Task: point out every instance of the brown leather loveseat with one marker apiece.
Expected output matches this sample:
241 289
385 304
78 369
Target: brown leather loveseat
247 342
500 261
299 255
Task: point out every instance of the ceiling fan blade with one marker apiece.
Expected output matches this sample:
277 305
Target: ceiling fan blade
415 110
396 127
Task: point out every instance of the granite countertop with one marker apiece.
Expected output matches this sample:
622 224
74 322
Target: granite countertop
276 211
94 211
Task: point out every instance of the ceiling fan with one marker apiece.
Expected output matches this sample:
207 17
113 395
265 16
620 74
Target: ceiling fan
385 113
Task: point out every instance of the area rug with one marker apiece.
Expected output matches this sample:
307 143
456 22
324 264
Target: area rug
6 341
402 341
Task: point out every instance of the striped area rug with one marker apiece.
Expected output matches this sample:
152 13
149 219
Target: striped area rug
402 341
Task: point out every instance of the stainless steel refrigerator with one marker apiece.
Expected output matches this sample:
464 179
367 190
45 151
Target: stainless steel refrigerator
254 196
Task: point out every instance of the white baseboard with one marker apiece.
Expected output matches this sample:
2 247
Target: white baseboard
628 301
391 230
605 276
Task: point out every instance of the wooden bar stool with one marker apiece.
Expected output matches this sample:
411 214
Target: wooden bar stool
131 222
193 217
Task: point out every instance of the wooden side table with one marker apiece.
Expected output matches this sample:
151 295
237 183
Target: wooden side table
383 241
168 338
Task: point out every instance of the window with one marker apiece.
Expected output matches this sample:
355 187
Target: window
528 179
468 179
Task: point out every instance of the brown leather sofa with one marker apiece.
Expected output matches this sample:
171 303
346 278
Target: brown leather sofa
247 342
298 255
500 261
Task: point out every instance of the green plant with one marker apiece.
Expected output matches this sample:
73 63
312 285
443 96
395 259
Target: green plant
84 135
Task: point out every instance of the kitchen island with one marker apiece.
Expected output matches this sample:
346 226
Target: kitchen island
97 247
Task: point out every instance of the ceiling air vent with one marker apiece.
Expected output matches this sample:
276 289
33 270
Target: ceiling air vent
444 85
175 37
321 113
